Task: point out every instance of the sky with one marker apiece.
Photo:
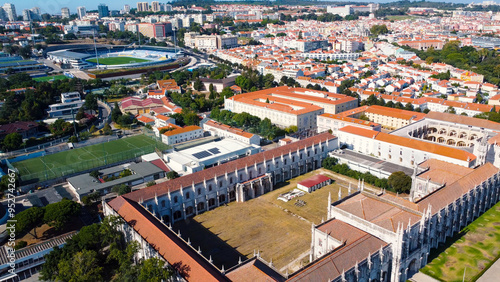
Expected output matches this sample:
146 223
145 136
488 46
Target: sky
54 6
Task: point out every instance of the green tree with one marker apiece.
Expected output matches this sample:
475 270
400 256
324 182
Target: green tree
226 92
150 183
116 113
91 102
12 141
28 220
83 266
20 245
154 270
172 174
197 84
107 129
80 114
450 110
6 180
60 213
191 118
379 29
121 189
400 182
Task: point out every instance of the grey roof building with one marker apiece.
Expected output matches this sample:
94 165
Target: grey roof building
142 172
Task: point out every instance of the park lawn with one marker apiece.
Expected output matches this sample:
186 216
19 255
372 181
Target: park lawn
400 18
280 230
117 60
80 159
49 78
475 248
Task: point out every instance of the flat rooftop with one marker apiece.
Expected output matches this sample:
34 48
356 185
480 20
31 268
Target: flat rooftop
372 162
211 152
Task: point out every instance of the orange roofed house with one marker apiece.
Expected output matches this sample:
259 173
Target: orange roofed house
182 134
286 106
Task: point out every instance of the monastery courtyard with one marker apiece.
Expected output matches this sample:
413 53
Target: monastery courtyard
280 231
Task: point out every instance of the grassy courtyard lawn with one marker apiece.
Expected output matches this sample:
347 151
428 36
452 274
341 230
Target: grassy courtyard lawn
49 78
281 231
475 248
117 60
80 159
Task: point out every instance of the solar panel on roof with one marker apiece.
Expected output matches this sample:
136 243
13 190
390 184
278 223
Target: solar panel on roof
214 151
202 154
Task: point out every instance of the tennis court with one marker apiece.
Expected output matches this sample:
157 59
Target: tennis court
80 159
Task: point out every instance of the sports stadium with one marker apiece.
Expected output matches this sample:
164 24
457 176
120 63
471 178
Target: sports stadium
113 57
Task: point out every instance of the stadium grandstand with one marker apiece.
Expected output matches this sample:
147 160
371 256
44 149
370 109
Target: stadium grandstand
112 57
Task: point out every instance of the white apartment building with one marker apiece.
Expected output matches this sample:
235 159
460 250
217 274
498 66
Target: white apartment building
182 134
400 150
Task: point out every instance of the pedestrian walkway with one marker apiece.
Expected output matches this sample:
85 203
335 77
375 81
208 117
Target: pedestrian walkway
421 277
491 274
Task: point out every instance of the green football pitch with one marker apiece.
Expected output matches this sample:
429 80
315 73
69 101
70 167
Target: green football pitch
117 60
49 78
85 158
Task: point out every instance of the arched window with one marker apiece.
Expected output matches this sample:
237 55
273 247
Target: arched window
163 203
210 187
177 215
211 202
220 184
230 180
175 199
199 191
187 195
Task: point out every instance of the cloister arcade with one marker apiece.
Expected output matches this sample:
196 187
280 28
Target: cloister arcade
447 135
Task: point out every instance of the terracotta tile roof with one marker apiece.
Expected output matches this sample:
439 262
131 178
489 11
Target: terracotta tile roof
446 195
396 113
314 180
349 119
145 119
18 126
283 98
229 167
427 147
377 211
443 172
358 246
132 101
191 265
182 130
253 270
411 143
459 119
364 132
228 128
160 164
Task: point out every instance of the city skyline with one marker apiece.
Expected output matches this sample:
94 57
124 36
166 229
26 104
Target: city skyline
55 8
